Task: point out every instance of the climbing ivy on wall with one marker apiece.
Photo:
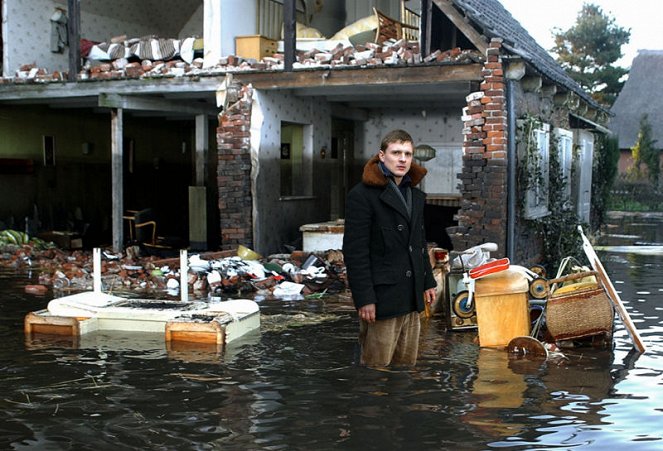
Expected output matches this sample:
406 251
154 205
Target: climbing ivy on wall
557 229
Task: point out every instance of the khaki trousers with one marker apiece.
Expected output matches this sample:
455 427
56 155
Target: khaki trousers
393 341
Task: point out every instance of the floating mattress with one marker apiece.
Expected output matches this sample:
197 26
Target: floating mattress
195 321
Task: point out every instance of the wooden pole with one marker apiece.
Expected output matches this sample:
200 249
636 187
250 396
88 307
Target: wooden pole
74 38
289 34
202 144
424 27
612 293
117 186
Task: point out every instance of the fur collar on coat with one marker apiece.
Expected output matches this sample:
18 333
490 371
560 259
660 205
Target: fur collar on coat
373 175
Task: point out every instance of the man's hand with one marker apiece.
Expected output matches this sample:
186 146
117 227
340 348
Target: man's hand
367 313
429 295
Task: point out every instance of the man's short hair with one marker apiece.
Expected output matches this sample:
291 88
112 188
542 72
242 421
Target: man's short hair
395 136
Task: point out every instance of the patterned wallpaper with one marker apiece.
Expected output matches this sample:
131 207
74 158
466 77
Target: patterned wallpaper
281 219
27 26
26 36
437 128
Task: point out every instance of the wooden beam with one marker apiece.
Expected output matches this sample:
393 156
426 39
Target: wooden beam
74 38
532 84
289 34
562 98
548 91
516 70
363 76
143 103
50 92
117 186
387 90
459 21
202 146
425 22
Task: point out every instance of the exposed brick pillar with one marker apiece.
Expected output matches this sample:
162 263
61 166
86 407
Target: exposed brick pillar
234 172
482 215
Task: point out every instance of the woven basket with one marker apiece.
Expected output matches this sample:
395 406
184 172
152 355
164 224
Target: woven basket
580 313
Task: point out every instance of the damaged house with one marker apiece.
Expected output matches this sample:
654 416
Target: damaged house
239 122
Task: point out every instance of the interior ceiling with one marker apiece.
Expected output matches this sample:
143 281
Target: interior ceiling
445 95
442 95
173 14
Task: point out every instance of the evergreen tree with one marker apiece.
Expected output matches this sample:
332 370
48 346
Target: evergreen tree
588 51
604 173
644 151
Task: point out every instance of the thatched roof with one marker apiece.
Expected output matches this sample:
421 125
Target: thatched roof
640 96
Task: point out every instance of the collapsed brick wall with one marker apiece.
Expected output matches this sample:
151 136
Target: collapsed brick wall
234 172
483 212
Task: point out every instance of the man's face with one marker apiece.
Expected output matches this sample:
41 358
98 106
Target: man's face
397 157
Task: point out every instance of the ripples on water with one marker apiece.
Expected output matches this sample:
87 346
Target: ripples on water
295 386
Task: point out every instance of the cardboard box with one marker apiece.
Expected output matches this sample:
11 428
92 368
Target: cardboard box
255 46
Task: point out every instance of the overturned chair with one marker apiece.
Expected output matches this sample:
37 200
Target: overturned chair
145 226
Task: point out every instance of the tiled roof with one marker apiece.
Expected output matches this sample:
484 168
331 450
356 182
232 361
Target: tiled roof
494 21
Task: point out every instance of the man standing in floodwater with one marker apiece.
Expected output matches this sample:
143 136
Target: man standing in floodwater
385 252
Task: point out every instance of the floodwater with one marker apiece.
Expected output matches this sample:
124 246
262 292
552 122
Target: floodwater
296 384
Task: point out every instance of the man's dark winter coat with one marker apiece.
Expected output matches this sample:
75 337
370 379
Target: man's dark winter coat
384 249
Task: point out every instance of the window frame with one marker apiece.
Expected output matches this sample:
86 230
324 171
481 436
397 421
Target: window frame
536 196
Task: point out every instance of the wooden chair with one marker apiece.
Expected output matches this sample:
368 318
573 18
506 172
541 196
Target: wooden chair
145 227
389 28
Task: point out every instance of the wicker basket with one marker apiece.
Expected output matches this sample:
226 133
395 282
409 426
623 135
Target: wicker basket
580 313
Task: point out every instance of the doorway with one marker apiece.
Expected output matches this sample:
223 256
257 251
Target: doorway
341 155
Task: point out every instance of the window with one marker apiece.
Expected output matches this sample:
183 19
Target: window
295 160
565 152
536 159
583 174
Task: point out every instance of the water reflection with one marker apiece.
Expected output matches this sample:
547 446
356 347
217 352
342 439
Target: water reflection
295 385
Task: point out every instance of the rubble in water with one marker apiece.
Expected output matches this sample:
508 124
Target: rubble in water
286 276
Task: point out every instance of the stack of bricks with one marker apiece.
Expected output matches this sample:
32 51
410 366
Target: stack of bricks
390 53
234 172
482 216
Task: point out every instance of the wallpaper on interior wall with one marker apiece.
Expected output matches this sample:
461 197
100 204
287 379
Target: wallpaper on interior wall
281 218
424 125
441 129
162 17
27 36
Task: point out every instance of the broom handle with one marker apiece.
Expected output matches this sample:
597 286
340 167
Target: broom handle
574 276
612 293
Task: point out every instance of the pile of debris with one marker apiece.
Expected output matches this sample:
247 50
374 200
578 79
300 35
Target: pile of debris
158 57
224 273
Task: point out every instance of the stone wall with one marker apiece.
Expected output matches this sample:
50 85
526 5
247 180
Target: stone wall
234 172
482 216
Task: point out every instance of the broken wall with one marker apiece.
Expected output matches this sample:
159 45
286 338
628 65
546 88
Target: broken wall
277 218
27 27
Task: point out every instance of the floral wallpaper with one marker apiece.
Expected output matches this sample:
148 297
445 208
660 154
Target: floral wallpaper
27 26
441 129
279 219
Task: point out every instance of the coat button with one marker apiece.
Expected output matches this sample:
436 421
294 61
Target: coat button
410 247
408 273
400 227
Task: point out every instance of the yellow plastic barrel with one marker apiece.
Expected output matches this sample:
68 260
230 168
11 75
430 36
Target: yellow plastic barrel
502 307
